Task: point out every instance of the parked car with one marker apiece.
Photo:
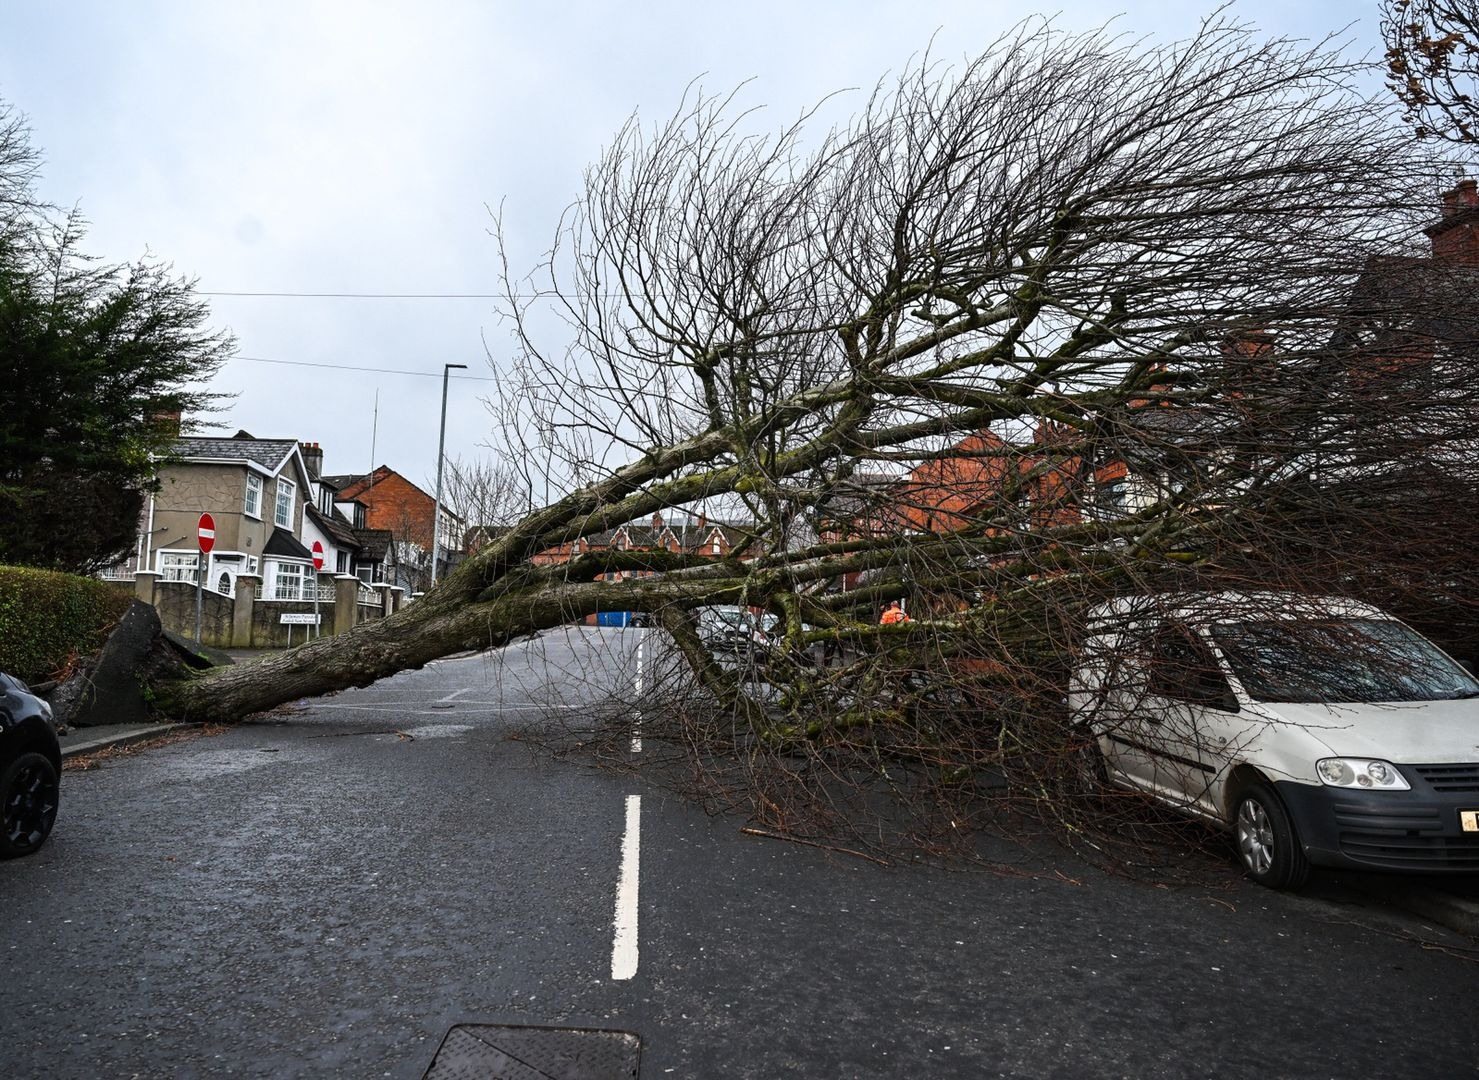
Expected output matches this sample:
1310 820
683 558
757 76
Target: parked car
727 628
1320 731
30 763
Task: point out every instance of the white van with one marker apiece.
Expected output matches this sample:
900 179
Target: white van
1318 729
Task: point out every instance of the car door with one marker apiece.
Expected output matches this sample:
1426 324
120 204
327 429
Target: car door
1187 702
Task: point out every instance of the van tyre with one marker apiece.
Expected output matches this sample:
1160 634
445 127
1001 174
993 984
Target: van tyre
1268 843
1091 774
28 803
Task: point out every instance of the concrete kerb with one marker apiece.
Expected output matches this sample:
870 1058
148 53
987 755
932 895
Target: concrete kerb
89 739
1433 903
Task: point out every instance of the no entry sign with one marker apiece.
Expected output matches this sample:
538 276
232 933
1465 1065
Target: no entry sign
318 555
207 533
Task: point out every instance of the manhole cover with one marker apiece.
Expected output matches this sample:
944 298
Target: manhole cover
499 1052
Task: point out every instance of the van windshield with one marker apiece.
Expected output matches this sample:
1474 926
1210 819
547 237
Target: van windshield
1339 660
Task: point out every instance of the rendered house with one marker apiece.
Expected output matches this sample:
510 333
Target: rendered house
269 505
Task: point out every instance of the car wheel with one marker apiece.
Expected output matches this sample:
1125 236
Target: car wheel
1268 844
28 802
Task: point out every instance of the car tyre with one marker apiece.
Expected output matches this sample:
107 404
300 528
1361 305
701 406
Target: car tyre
28 804
1268 843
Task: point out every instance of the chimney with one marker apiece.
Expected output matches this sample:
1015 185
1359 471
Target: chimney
313 458
703 521
168 422
1454 235
657 521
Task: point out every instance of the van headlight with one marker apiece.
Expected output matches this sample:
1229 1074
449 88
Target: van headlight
1360 773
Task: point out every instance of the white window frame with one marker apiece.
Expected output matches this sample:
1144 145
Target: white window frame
178 566
297 584
252 507
279 511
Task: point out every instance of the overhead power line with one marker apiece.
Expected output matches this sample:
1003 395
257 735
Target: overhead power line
355 367
361 295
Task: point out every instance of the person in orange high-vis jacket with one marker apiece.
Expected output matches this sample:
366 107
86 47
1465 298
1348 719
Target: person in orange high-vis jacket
894 614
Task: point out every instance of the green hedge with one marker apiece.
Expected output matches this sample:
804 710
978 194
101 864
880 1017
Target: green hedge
46 618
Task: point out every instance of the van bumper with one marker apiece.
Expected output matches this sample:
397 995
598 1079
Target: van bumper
1418 830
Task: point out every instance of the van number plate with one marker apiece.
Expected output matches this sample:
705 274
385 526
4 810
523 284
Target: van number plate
1468 820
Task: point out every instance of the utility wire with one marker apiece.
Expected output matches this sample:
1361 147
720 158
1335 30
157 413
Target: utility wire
363 295
354 367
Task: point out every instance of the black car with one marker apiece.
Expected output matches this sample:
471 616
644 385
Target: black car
30 762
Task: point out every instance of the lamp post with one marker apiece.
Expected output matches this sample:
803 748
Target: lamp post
436 514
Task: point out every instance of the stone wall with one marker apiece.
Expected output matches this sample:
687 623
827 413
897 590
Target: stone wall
269 632
175 601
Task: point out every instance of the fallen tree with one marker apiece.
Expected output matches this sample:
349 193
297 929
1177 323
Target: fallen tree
1071 320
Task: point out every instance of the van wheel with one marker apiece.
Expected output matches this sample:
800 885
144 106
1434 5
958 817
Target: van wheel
1268 844
1090 773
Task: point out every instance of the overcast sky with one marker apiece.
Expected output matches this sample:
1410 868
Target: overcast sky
356 147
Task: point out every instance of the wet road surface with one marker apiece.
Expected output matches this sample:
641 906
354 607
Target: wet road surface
325 892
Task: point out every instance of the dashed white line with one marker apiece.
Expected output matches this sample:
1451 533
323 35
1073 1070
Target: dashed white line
637 710
624 943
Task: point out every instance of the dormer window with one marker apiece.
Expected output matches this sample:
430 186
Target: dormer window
286 492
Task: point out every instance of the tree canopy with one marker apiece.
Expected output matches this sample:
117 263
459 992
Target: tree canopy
1080 317
1432 54
100 362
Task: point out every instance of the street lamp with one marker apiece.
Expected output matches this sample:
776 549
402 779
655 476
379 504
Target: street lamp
436 514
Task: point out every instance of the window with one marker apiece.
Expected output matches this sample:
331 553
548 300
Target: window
223 585
1182 669
1339 660
342 566
178 566
715 548
1113 498
293 581
252 506
286 491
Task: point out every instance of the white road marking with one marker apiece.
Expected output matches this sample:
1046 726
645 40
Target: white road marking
637 711
455 694
624 944
464 706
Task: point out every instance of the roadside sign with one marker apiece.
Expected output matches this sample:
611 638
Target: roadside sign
318 555
293 618
206 532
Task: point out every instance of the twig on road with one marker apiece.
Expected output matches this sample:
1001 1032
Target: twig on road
812 843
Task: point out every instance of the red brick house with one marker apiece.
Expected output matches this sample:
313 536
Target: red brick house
394 504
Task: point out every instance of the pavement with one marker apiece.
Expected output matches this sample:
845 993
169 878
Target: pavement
87 740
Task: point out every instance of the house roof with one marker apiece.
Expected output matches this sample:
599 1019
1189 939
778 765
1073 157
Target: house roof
336 530
286 545
374 544
268 453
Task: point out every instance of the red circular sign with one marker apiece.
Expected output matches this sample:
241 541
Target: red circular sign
318 555
207 533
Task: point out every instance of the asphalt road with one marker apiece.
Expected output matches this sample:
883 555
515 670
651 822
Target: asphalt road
324 893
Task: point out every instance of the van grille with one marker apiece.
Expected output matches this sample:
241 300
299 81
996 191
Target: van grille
1450 777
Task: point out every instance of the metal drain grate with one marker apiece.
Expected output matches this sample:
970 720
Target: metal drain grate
499 1052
